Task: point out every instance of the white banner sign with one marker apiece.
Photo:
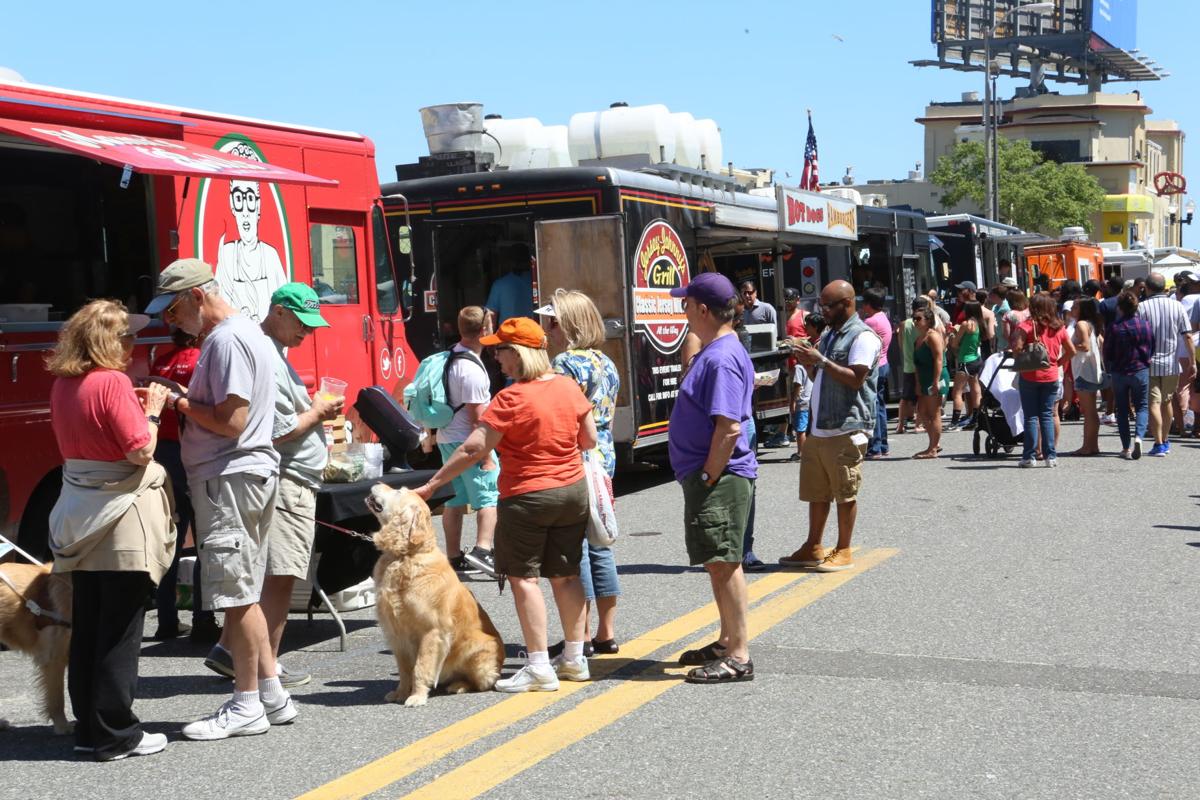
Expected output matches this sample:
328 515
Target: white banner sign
817 214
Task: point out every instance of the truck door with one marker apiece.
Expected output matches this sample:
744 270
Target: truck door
391 357
338 251
588 254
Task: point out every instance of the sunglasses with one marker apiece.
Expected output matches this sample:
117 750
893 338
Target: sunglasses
178 299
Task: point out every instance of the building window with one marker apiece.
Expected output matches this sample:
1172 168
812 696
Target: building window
1062 151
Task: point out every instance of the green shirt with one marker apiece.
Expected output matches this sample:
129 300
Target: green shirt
908 338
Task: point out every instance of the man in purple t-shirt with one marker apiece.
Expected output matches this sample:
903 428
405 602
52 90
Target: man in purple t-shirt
713 461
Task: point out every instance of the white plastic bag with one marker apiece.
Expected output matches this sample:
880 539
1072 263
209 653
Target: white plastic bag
602 518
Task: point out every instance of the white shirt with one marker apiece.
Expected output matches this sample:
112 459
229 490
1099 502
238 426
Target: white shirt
466 382
863 352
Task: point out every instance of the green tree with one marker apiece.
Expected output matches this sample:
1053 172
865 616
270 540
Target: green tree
1035 194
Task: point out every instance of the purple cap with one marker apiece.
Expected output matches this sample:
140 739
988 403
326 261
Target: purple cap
711 288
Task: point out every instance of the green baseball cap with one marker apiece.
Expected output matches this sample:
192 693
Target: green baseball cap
301 300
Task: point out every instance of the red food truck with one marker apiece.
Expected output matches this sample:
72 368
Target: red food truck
97 194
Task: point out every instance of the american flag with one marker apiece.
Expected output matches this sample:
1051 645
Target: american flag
809 181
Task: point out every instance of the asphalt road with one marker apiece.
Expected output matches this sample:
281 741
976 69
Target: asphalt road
1007 633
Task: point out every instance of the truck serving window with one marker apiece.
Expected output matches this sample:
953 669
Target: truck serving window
69 233
334 263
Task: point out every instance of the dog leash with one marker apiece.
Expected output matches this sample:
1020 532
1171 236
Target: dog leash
34 608
366 537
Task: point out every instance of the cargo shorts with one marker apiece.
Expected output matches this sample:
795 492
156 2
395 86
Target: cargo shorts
234 514
540 534
293 529
714 517
831 468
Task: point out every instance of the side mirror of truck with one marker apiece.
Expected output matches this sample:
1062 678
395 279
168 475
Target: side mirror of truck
404 240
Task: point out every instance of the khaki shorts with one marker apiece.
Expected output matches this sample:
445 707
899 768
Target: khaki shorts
234 514
540 534
714 517
831 469
293 530
1162 387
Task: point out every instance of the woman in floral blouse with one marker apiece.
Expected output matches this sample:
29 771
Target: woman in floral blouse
576 332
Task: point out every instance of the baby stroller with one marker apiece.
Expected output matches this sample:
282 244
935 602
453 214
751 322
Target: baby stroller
992 429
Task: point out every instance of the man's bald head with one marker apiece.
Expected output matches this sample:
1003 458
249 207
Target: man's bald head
837 301
1156 283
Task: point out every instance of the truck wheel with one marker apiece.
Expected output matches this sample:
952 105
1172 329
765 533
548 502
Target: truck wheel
33 534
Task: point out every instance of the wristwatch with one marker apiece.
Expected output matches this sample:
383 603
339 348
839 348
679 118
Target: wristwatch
821 364
154 418
708 479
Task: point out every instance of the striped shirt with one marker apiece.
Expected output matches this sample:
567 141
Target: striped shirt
1169 323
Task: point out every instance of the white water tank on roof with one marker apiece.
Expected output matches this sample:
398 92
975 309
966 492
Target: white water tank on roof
845 193
556 145
512 141
687 140
711 154
1074 234
622 131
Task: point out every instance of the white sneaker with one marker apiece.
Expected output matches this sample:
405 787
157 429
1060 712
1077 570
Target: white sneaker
1126 455
1026 462
1051 462
529 679
575 669
1109 419
150 744
226 723
281 713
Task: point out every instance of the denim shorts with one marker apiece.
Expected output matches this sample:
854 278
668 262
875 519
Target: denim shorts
800 421
598 571
476 486
1087 386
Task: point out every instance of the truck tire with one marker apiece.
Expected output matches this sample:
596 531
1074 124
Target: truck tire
33 533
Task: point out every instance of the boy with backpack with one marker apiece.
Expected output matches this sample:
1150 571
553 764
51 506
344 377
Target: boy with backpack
449 393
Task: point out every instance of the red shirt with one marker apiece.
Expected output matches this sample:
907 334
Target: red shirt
1054 339
177 365
97 416
794 328
540 424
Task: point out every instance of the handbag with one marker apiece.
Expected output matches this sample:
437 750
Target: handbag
602 515
1034 357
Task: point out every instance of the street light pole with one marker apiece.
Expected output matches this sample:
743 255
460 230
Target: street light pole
989 177
1189 212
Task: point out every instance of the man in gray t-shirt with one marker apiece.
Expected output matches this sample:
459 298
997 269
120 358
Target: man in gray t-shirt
228 412
299 435
756 312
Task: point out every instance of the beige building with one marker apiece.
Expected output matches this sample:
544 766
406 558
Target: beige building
1109 134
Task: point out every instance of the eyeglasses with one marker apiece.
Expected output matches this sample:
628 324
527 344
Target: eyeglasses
130 335
170 310
834 304
246 199
748 291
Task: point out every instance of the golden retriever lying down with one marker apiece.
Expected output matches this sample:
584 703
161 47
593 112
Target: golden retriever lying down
434 626
48 644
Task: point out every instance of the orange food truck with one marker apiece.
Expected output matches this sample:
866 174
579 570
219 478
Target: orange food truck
1068 259
97 194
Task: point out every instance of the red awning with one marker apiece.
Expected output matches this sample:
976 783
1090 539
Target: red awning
155 156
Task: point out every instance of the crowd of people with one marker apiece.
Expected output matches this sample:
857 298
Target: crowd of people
225 440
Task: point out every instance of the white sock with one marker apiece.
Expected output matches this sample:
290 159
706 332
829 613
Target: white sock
271 691
247 704
539 658
572 651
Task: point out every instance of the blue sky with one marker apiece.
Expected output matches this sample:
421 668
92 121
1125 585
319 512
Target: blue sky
368 66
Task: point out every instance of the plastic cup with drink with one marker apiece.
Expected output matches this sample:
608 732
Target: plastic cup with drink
331 389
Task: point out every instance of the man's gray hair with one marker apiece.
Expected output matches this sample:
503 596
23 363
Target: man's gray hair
1156 283
212 287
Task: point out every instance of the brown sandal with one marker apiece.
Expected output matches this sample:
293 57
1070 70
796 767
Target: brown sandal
694 658
724 670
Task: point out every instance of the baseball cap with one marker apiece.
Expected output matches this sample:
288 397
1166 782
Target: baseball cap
301 300
1009 282
791 294
966 285
185 273
517 330
1187 276
711 288
546 311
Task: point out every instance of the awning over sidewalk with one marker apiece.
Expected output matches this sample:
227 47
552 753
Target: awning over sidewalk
155 156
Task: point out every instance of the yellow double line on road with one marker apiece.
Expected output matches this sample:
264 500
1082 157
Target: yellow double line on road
513 757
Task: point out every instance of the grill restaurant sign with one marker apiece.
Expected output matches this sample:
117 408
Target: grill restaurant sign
816 214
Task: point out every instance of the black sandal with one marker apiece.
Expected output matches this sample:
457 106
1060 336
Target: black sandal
724 670
606 647
696 658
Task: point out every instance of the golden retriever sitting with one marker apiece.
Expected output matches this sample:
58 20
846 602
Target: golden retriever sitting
433 624
48 643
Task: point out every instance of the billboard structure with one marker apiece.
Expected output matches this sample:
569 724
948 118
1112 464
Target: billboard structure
1071 41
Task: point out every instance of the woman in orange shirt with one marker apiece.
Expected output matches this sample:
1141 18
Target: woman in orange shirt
539 426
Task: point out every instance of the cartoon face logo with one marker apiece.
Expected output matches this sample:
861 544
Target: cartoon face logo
248 268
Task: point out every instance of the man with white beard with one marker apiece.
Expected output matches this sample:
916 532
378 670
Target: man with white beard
233 471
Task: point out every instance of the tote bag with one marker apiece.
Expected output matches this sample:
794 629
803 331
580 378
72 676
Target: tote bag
602 515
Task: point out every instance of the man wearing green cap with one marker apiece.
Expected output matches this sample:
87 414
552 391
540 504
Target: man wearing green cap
294 313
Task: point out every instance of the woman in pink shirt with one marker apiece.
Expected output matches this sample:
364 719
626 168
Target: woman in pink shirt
877 320
1040 388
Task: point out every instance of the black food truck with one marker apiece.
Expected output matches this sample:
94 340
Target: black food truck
970 248
625 238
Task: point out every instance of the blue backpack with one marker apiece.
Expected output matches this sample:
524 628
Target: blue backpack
427 397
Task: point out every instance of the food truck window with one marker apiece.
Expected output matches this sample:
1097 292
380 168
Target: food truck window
334 263
871 258
386 294
470 257
69 232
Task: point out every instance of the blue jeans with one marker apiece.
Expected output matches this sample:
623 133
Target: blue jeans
879 443
748 540
1132 390
1037 406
